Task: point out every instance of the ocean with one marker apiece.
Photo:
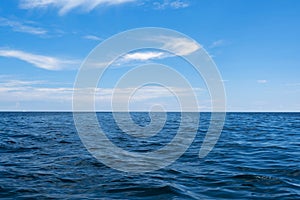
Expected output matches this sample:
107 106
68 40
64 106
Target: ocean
256 157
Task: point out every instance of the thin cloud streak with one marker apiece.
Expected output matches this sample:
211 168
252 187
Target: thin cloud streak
177 4
262 81
19 91
92 37
217 43
40 61
22 27
19 83
66 6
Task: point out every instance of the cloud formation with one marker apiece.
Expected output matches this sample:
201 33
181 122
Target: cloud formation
177 4
179 46
40 61
22 27
66 6
92 37
143 56
174 46
22 91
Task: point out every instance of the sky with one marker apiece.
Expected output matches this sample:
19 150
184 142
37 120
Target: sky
255 45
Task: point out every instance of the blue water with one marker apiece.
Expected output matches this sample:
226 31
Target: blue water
256 157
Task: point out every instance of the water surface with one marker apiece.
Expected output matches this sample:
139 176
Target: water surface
257 157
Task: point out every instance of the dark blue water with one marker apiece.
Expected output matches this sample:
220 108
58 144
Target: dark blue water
256 157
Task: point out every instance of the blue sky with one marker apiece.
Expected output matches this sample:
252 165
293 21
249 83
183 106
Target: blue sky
255 45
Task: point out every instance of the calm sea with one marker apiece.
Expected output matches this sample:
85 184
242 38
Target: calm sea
256 157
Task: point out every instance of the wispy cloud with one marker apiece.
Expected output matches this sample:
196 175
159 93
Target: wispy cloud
92 37
217 43
179 46
262 81
65 6
177 4
24 27
35 98
174 46
35 94
40 61
20 91
19 83
167 47
18 94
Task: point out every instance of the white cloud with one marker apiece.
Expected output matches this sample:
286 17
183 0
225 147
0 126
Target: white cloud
40 61
262 81
177 4
19 83
141 99
135 58
174 46
143 56
92 37
22 27
34 94
65 6
27 90
179 46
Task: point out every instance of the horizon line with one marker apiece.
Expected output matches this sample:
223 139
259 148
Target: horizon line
108 111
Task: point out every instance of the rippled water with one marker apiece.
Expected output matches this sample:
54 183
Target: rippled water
257 157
